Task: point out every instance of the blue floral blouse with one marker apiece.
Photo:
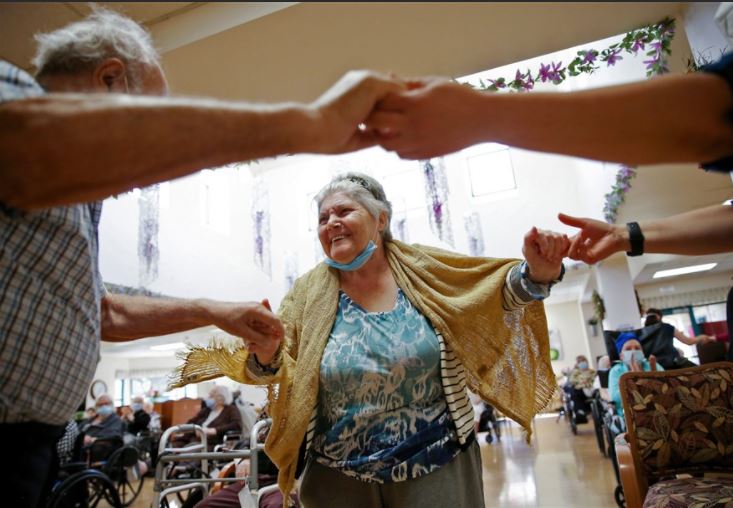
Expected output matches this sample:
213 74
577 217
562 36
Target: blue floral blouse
382 415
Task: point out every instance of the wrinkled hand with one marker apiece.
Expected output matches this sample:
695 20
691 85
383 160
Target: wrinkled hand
261 330
544 251
596 240
341 109
636 367
434 117
243 468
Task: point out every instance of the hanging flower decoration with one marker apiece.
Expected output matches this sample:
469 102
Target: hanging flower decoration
617 195
436 190
261 229
147 235
472 222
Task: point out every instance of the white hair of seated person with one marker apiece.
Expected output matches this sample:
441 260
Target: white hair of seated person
222 391
103 34
604 363
104 397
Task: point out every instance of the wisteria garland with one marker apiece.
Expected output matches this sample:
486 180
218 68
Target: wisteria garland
655 40
399 229
261 229
148 253
436 190
474 233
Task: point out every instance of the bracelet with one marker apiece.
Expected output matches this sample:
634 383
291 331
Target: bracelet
636 239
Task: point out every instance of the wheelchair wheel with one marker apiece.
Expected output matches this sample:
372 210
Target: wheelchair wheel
618 495
124 470
85 489
598 425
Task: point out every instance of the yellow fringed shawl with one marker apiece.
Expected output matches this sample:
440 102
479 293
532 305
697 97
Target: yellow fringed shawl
505 353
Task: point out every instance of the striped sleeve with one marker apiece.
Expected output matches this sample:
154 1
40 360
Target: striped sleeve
519 291
453 377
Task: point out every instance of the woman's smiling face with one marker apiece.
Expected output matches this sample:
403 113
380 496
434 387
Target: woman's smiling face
345 227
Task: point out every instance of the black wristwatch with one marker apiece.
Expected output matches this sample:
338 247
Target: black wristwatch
636 238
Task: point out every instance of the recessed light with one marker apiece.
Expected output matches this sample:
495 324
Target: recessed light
168 347
685 269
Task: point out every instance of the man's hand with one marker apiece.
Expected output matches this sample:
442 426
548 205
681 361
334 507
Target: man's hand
433 118
261 330
596 240
340 111
544 251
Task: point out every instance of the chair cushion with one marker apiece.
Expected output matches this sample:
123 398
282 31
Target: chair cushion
690 493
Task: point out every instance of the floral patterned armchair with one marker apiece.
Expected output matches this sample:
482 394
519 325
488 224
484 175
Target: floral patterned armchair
678 451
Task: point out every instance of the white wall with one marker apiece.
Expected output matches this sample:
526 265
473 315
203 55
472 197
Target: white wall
565 318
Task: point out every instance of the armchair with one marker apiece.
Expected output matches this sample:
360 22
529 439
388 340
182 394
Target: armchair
678 450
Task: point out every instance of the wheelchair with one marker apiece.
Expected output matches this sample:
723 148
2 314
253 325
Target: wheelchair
182 471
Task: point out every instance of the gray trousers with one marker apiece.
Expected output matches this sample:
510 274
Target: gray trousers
457 484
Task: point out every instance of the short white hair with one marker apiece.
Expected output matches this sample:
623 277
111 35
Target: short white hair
363 189
222 391
101 35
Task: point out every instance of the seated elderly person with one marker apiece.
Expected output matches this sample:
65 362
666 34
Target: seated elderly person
218 416
105 425
580 386
381 340
136 419
632 360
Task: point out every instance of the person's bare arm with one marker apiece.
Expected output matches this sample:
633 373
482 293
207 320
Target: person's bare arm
666 119
691 341
67 148
127 318
703 231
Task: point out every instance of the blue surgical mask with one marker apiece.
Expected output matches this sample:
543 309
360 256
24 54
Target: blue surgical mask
136 406
210 403
357 262
105 410
583 365
635 354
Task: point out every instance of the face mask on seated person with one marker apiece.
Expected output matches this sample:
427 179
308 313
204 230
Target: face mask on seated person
210 403
136 407
583 365
105 410
635 354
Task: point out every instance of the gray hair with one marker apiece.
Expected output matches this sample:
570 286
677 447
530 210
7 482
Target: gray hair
222 391
83 44
105 396
363 189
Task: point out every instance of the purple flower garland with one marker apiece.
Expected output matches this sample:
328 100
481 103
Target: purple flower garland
656 39
436 190
148 253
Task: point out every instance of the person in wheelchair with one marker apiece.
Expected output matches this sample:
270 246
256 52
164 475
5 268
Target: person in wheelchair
219 416
136 418
632 360
579 388
106 425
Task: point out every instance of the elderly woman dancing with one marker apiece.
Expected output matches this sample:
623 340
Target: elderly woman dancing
368 384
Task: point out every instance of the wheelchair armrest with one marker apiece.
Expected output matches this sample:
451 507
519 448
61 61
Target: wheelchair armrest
633 491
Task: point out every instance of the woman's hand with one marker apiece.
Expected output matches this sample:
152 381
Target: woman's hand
596 240
256 324
544 251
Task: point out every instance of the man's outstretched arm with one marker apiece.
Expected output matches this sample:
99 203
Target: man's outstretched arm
68 148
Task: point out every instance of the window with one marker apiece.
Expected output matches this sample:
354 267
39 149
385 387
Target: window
491 172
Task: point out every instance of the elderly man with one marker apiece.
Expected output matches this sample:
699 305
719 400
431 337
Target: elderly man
93 124
136 419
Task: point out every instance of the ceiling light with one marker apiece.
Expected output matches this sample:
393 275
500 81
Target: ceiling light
168 347
684 270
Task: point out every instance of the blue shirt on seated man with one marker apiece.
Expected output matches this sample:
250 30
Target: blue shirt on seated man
632 360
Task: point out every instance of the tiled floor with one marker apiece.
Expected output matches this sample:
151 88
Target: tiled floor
559 469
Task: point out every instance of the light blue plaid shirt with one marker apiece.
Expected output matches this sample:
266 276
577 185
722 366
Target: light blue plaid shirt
50 293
